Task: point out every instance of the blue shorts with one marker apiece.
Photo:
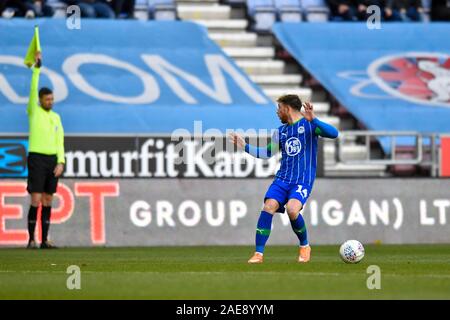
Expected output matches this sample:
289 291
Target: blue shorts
282 192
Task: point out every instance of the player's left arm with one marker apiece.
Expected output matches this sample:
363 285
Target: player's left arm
324 129
321 128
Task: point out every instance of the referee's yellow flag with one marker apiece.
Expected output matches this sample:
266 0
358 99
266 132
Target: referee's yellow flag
35 46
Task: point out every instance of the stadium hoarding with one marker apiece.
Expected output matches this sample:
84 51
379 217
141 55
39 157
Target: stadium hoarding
148 156
444 156
13 157
174 212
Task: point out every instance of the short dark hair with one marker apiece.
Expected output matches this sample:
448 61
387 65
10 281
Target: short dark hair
44 91
291 100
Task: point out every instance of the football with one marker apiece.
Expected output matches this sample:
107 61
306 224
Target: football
352 251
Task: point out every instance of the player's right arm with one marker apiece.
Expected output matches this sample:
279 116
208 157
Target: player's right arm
33 98
258 152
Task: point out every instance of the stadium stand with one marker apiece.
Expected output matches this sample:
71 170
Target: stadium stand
315 10
262 13
143 9
59 8
242 28
161 9
289 10
302 10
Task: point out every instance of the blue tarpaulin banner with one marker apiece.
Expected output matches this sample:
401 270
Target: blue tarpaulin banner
129 77
396 78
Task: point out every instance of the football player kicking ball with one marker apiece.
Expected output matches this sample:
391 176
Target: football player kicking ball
297 140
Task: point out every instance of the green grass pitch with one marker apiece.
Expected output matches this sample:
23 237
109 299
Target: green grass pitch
407 272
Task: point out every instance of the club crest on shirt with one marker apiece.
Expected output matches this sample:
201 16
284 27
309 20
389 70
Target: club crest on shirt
293 146
301 130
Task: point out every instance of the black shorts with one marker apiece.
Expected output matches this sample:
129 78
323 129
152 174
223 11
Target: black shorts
40 173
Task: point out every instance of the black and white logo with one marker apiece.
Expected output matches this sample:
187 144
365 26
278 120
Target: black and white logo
293 146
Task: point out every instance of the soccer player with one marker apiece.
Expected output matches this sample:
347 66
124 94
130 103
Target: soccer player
45 155
297 140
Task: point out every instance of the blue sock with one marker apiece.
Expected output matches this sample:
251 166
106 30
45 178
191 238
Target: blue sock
299 227
263 230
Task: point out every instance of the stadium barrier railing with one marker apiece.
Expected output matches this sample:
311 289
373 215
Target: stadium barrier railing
423 144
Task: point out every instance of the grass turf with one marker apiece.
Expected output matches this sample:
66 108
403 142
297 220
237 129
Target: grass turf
407 272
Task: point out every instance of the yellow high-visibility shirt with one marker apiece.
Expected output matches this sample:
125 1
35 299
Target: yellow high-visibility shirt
46 130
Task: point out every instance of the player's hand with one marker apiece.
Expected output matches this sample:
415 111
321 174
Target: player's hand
58 170
237 140
308 112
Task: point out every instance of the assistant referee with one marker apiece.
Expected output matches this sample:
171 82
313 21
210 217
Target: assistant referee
45 155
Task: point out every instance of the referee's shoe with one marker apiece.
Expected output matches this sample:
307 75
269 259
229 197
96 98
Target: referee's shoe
31 244
48 245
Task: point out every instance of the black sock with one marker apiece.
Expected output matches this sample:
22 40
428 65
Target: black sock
32 215
45 222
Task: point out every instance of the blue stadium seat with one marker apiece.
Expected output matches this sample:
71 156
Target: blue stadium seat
162 9
59 8
235 3
141 4
315 10
263 13
289 10
141 9
426 5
